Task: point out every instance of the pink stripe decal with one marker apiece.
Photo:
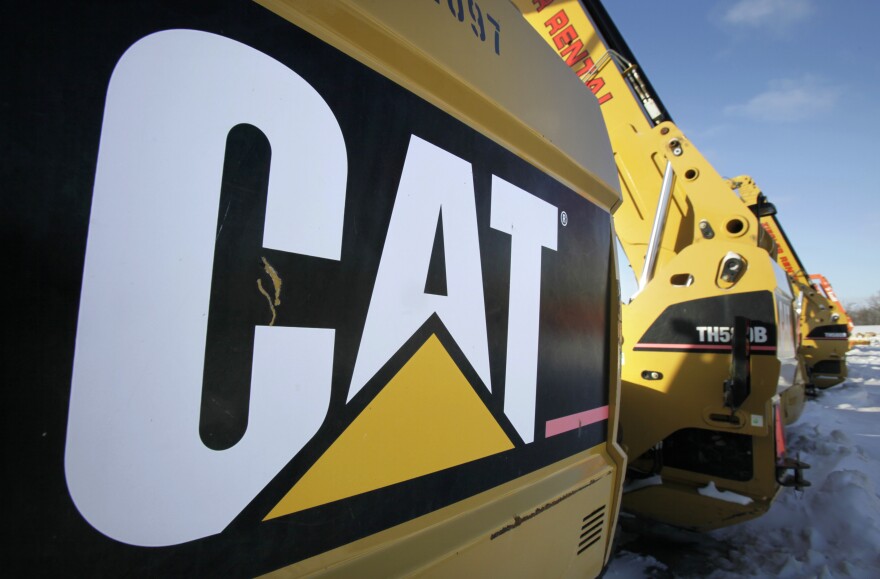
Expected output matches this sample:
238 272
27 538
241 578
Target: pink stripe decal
685 346
575 421
724 347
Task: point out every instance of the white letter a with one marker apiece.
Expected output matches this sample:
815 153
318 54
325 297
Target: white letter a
432 179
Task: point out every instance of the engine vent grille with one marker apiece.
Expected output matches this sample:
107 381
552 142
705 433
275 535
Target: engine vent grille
591 530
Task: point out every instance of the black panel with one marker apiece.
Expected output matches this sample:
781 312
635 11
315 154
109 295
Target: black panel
738 387
831 331
696 325
723 454
827 367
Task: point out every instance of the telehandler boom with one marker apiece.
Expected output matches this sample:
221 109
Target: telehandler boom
822 283
305 288
823 332
710 372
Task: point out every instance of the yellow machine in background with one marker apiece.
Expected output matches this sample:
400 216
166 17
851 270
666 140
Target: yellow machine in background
330 288
822 283
710 372
824 333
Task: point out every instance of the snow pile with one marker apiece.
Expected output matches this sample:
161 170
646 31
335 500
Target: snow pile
832 529
710 490
631 565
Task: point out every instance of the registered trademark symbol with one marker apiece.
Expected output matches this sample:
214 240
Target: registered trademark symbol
563 218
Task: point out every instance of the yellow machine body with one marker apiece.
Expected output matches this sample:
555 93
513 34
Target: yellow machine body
337 294
821 282
824 331
678 328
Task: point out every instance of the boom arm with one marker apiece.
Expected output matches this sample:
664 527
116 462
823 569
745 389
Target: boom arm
829 293
700 205
785 254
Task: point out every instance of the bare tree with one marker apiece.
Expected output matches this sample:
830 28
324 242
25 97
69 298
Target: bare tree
867 314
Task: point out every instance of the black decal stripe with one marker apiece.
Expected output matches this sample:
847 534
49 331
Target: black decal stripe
829 332
679 322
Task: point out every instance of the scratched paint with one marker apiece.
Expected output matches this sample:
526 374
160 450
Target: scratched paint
276 283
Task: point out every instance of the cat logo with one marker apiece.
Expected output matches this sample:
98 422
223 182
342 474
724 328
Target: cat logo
277 314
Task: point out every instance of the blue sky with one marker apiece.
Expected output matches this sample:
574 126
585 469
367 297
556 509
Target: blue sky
787 91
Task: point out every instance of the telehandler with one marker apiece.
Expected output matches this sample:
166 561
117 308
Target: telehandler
822 283
823 333
710 373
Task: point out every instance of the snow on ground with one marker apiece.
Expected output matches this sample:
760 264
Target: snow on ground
831 529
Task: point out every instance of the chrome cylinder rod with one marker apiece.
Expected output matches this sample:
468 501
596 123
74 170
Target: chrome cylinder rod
659 225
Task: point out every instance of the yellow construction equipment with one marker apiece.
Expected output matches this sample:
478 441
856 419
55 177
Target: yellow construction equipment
824 335
710 373
307 287
822 283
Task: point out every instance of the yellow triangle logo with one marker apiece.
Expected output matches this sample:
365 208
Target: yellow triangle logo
426 419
